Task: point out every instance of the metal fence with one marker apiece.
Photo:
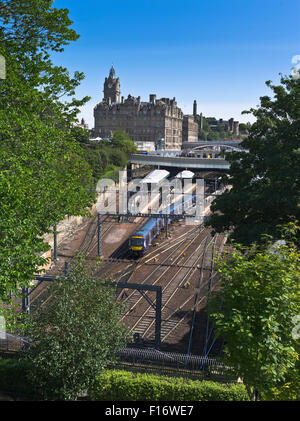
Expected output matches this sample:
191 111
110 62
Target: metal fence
153 356
151 360
174 364
12 343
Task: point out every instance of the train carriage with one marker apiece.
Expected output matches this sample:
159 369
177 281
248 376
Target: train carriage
143 237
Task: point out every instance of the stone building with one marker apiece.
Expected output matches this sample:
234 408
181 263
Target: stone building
189 129
159 120
229 126
82 125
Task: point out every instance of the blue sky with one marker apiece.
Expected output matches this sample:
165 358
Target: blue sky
219 52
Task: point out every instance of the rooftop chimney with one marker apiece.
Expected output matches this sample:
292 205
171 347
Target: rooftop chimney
195 108
152 99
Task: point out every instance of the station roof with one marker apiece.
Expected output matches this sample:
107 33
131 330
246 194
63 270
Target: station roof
185 174
156 176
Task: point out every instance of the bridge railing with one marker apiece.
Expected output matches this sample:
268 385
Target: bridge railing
180 162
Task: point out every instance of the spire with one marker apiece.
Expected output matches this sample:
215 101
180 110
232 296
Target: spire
112 86
112 73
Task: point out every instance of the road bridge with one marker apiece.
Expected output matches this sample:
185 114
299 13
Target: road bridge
228 144
180 162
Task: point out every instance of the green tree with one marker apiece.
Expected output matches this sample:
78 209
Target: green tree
74 335
213 135
118 157
288 390
265 182
121 140
104 157
97 158
254 314
243 126
80 135
222 133
205 125
202 134
43 173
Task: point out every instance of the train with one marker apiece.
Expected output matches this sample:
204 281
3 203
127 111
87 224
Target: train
141 239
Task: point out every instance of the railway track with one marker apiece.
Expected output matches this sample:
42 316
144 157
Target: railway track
169 290
171 287
206 285
176 318
174 255
171 260
89 242
153 255
200 285
174 264
41 295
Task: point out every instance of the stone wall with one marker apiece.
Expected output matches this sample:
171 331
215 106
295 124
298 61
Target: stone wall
66 228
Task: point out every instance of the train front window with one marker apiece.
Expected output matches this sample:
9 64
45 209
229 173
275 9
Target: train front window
137 242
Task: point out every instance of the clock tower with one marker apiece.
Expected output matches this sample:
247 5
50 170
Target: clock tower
112 87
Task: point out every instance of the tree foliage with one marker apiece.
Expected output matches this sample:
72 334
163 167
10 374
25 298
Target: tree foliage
121 140
206 133
265 182
43 174
118 385
75 334
254 313
109 155
80 135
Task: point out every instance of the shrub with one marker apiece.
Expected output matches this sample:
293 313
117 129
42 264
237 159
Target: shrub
76 335
14 376
116 385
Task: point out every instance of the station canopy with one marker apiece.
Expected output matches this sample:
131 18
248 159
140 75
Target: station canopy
185 174
156 176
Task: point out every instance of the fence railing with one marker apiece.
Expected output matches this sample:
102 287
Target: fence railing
11 343
151 360
167 358
218 375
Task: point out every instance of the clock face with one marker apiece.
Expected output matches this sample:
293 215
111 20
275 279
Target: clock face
109 85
